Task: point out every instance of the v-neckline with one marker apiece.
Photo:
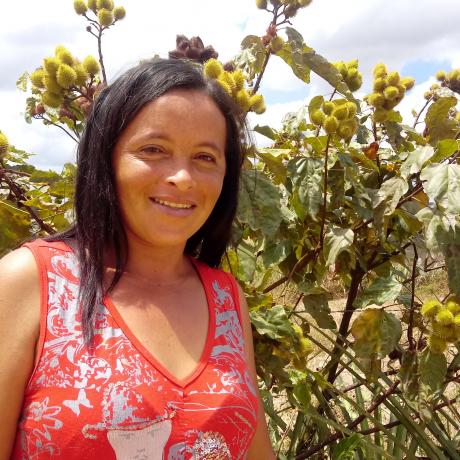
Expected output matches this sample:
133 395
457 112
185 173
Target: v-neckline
205 354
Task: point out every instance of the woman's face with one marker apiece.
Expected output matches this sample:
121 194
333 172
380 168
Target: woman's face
169 166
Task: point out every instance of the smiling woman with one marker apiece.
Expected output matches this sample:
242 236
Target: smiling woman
125 339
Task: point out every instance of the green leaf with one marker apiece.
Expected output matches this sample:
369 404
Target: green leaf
445 149
252 55
415 161
380 291
266 131
408 374
376 332
276 252
21 82
433 369
317 306
336 240
315 104
437 122
433 228
259 203
443 186
346 448
273 323
274 160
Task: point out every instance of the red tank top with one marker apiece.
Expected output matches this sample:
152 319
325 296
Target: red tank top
118 402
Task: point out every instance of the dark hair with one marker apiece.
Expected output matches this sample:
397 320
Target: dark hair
98 225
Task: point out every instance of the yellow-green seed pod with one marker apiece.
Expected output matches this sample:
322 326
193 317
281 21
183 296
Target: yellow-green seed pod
380 71
401 90
408 82
345 131
227 78
213 68
119 13
239 78
92 5
305 345
303 3
330 124
441 75
340 112
376 99
436 344
104 4
257 103
317 117
243 99
393 78
444 332
445 317
64 55
276 44
453 307
261 4
37 78
355 83
353 64
66 76
3 144
352 73
380 115
51 84
431 308
391 93
82 75
80 7
328 107
290 11
51 99
105 17
226 87
91 65
51 65
352 109
342 68
457 321
380 84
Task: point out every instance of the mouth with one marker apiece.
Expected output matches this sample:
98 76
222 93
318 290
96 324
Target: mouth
172 204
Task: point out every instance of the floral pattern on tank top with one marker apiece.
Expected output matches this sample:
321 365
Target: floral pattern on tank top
117 403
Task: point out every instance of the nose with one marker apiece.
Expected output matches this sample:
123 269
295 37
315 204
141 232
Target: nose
181 177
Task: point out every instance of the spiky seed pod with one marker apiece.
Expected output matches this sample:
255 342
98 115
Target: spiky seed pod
353 64
227 78
64 55
82 75
427 95
379 84
408 82
66 76
441 75
226 87
393 78
52 85
445 317
380 115
376 99
51 99
80 7
105 4
3 145
257 104
391 93
330 124
431 308
239 79
352 73
328 107
305 346
119 13
51 65
276 44
345 131
317 117
105 17
436 344
37 78
453 307
444 332
401 89
352 109
340 112
290 11
380 71
457 321
243 99
91 65
261 4
342 68
92 5
355 83
213 68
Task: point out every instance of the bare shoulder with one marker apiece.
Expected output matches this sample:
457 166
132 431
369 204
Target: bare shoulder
19 331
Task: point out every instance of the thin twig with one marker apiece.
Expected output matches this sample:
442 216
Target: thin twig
410 328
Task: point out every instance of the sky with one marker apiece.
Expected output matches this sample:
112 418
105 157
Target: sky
414 37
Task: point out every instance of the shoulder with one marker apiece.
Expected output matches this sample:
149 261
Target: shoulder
18 269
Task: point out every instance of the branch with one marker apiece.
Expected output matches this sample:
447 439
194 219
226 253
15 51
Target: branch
421 111
410 327
323 210
57 126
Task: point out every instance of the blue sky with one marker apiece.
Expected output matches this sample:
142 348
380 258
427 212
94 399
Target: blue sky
415 37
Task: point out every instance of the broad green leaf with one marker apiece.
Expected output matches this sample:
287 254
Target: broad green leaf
408 374
259 203
437 122
15 226
380 291
21 82
433 228
449 242
273 159
432 369
347 447
336 185
317 306
266 131
415 161
336 240
252 55
276 252
375 332
445 149
443 186
272 322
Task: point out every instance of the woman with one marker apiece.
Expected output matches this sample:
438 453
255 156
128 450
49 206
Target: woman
118 339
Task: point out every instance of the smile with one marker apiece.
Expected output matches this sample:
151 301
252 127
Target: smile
172 204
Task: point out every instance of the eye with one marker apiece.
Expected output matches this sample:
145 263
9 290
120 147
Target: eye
206 157
151 149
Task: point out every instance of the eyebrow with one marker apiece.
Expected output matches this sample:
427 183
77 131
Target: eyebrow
148 136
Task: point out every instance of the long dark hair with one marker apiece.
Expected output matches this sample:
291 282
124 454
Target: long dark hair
98 224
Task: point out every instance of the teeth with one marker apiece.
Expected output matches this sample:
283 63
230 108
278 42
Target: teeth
173 205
